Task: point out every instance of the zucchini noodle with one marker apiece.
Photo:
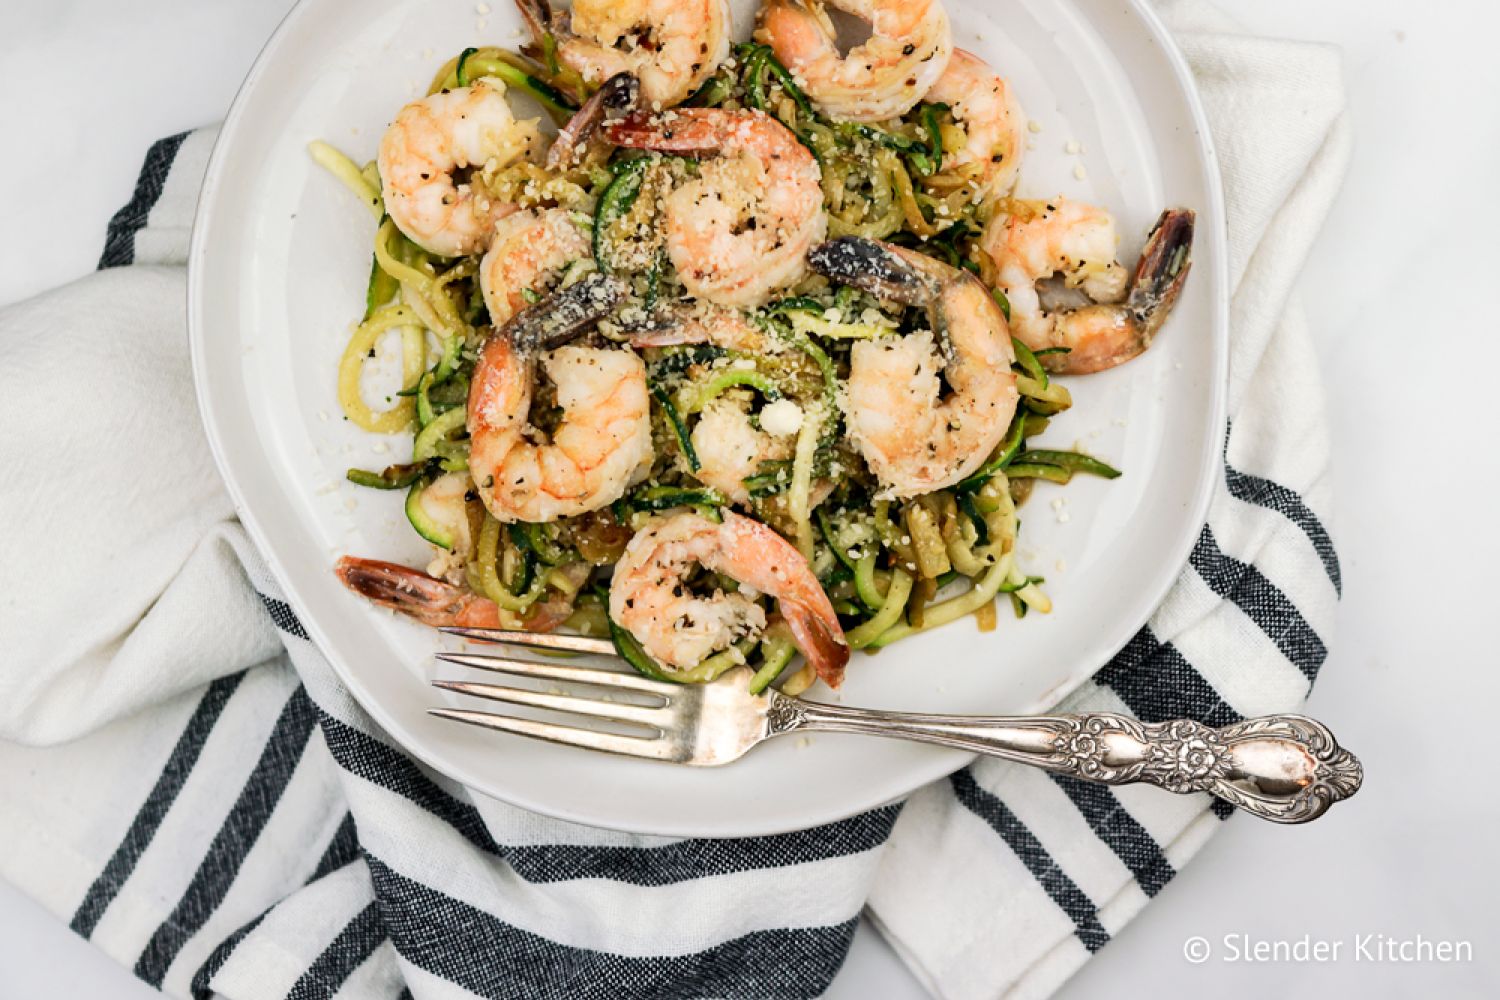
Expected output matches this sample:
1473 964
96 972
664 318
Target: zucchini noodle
365 187
511 69
429 443
486 568
804 322
906 196
589 619
436 307
352 366
800 681
799 495
422 291
729 379
927 543
866 584
776 650
983 592
891 567
873 215
714 666
889 613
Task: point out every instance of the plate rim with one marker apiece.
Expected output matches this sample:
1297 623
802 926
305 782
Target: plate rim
938 764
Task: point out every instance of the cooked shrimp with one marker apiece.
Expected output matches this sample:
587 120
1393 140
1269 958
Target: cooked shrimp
730 447
438 603
1038 240
422 154
914 441
528 251
742 228
577 139
704 324
679 629
671 46
986 106
908 49
604 438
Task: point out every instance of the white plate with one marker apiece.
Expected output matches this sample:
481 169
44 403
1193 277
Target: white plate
280 257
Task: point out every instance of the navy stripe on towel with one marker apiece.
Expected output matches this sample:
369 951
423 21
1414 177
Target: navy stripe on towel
230 846
1063 890
783 962
217 958
1111 823
341 850
151 813
374 761
347 952
1158 684
282 616
1274 496
1261 601
119 240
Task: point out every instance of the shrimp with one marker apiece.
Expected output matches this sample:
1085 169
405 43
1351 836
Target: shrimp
577 139
704 324
986 106
742 228
528 251
648 598
1037 240
602 442
914 441
908 49
439 603
671 46
425 150
729 447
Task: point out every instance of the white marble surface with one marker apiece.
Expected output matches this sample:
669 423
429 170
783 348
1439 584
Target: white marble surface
1395 294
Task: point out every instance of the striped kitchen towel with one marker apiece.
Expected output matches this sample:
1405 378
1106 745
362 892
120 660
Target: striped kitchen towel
185 782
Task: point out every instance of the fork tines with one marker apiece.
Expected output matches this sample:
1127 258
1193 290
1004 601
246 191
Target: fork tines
661 718
631 746
560 672
534 640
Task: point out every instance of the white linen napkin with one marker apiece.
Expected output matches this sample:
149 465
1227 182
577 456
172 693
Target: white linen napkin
187 784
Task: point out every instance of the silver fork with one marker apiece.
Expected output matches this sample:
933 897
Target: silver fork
1284 768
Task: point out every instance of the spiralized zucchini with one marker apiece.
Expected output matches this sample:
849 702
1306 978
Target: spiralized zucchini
891 568
360 348
364 187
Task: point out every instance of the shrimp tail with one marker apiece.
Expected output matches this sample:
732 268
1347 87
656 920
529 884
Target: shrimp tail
564 315
620 93
665 335
875 267
1161 271
414 593
823 644
538 17
685 131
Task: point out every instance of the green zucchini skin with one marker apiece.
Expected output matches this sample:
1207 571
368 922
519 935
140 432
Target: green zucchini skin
424 525
616 200
630 650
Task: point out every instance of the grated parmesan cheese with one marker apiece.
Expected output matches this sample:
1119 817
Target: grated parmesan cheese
782 418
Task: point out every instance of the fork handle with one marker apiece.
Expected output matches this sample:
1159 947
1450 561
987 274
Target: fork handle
1284 768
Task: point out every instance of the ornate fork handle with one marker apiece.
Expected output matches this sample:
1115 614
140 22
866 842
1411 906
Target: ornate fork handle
1284 768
